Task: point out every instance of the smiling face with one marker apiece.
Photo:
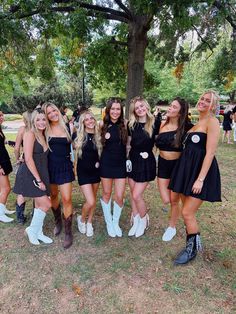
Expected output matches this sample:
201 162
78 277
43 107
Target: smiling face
89 121
40 122
115 111
204 103
140 109
1 117
52 114
174 109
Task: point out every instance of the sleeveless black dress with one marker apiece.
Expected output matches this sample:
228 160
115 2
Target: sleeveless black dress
141 154
5 162
60 166
189 166
24 179
113 158
88 171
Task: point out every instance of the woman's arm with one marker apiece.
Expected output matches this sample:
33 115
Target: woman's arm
128 146
213 134
29 140
19 139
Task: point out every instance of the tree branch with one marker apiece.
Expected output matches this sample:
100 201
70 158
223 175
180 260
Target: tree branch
202 39
123 7
219 6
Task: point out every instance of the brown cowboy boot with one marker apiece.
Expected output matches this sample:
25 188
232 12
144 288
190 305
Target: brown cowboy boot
58 220
68 232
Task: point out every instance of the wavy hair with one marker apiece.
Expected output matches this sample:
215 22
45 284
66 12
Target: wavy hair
107 121
182 120
82 135
60 121
133 118
27 120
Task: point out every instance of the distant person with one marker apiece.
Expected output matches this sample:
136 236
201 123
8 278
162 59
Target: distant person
63 111
234 118
157 113
5 170
227 124
18 151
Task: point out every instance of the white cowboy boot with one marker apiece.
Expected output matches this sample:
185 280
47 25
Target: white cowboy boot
134 227
116 218
106 207
142 226
3 216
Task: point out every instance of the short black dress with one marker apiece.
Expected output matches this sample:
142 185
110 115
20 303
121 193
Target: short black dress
113 158
189 166
60 166
88 171
24 179
141 154
227 122
5 162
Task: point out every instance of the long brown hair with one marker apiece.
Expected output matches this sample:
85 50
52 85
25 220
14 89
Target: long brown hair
182 121
107 121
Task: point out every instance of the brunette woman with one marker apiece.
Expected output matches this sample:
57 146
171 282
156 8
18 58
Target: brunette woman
18 150
60 171
5 170
169 142
196 175
140 145
88 149
113 164
32 179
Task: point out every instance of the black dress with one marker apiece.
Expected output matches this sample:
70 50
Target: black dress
141 154
227 121
60 166
24 179
88 165
5 162
113 158
189 166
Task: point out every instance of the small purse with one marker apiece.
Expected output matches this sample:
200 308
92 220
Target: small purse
128 165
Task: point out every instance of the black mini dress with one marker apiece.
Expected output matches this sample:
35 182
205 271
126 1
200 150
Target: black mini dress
227 122
189 166
113 158
24 179
60 166
141 154
5 162
88 171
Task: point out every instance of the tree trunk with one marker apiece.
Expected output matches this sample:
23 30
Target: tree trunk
137 43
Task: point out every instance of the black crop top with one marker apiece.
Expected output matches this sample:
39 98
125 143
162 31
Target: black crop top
165 141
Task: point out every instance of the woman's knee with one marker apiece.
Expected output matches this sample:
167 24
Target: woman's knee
137 197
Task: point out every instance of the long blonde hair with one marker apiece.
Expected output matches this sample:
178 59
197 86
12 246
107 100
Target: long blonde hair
215 100
27 120
60 121
34 115
133 119
82 136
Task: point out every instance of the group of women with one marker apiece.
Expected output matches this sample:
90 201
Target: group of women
110 151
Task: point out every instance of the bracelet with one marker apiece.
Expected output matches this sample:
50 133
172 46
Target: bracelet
201 180
39 181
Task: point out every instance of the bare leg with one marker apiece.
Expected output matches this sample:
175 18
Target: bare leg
66 197
106 189
137 195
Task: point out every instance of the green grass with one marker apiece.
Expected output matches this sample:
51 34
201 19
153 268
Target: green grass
124 275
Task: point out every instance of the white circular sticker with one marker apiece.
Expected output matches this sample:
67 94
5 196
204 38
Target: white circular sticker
144 155
97 165
195 139
107 135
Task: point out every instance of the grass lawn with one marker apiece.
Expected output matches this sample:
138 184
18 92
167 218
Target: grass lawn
123 275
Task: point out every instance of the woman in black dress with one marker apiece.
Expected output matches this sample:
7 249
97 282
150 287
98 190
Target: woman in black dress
113 164
5 170
88 149
227 124
169 142
139 149
196 175
60 169
32 179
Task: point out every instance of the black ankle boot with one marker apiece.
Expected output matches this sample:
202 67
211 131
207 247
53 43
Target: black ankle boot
193 245
58 220
21 219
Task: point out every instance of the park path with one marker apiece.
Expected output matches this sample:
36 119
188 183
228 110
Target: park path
12 126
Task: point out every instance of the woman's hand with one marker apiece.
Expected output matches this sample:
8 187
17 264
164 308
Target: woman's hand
42 186
2 173
197 187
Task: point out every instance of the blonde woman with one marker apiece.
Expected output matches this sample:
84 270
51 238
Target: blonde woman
32 179
60 169
88 149
140 145
5 170
196 174
18 151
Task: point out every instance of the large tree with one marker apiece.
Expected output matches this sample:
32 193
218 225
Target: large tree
25 23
